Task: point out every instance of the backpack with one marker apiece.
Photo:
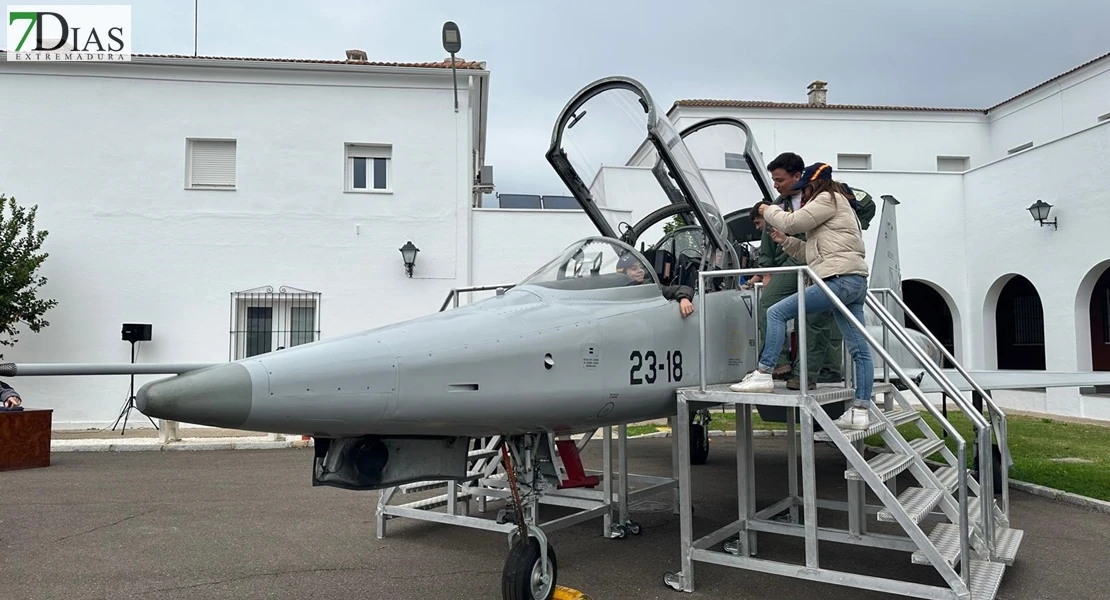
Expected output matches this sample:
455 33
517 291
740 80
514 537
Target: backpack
862 203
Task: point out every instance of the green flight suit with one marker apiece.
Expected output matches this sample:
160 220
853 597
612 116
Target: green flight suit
824 339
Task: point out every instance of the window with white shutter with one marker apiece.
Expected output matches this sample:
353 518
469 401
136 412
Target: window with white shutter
211 164
853 162
369 168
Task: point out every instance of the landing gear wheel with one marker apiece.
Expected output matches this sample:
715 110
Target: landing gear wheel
699 444
522 578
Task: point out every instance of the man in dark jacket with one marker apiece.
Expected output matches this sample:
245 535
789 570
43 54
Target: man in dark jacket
631 266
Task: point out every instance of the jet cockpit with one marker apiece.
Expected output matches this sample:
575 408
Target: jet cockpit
614 123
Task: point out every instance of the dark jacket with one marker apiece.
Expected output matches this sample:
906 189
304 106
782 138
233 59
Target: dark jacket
678 292
6 391
771 254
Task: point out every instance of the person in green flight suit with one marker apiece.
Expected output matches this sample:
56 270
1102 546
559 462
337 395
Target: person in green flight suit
823 338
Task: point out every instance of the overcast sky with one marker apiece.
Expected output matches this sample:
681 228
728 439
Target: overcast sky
957 53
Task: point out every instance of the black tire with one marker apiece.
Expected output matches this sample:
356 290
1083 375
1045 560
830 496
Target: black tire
522 563
699 444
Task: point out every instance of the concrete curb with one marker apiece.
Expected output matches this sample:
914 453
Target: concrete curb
1066 497
189 444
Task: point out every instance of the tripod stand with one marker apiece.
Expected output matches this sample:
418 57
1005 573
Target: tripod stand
130 404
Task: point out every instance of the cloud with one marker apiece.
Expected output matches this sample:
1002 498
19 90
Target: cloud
955 53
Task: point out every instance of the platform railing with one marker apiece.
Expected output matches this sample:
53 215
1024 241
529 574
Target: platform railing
453 295
982 434
998 417
982 426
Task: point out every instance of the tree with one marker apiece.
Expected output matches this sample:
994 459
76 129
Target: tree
20 259
671 225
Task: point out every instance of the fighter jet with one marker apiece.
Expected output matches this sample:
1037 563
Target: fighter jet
588 340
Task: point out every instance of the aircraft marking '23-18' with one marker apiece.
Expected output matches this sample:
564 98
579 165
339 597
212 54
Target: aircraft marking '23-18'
669 367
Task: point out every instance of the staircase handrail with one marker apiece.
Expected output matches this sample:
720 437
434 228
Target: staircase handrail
982 426
802 271
1001 427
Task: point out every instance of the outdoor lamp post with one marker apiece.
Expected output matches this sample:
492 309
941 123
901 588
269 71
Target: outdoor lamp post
452 43
1040 210
408 254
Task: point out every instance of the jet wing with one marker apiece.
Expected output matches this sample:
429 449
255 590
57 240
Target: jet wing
1010 380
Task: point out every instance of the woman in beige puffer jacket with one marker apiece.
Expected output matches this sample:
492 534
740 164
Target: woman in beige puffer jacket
835 251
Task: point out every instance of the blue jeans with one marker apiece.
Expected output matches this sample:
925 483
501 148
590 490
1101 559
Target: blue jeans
851 290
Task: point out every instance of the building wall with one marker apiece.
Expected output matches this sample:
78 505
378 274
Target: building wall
1062 264
105 163
1070 104
821 135
510 245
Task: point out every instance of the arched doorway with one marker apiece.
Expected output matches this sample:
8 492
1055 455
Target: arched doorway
1019 326
1100 323
935 311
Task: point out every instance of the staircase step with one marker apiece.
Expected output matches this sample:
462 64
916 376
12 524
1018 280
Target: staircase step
985 578
1006 543
902 416
973 508
480 454
882 387
853 435
917 503
885 466
420 486
435 502
925 447
949 478
946 538
423 486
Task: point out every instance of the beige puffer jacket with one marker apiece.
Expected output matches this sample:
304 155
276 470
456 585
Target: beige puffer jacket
834 242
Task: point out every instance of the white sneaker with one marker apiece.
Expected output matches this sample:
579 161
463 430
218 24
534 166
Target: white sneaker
755 383
854 418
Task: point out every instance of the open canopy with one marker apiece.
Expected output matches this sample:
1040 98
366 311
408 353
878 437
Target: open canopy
625 123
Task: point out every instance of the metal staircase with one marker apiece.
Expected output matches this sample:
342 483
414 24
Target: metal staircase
949 518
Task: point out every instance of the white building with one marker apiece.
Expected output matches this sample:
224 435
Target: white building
132 240
236 205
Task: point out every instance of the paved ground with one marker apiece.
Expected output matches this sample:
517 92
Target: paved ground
249 525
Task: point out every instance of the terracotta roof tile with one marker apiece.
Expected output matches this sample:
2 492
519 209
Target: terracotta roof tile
445 64
766 104
1061 75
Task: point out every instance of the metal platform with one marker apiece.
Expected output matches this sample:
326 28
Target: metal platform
735 544
971 542
487 481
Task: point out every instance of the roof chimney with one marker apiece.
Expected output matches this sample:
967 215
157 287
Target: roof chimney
817 93
356 55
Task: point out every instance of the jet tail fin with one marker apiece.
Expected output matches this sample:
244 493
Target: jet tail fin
886 269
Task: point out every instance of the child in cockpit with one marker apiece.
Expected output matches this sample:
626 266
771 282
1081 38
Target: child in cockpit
634 269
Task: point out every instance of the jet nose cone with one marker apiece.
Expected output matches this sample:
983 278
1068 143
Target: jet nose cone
217 396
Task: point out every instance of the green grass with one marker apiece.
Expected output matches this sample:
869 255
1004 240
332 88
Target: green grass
1034 443
641 429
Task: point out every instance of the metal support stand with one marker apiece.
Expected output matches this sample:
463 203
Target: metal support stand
125 412
487 481
737 539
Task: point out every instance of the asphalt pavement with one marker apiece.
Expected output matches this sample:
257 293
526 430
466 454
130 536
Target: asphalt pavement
249 525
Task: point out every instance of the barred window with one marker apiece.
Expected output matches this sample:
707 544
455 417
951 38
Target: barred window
1028 321
263 320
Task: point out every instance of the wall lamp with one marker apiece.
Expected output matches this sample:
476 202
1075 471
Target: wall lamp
1040 211
408 254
